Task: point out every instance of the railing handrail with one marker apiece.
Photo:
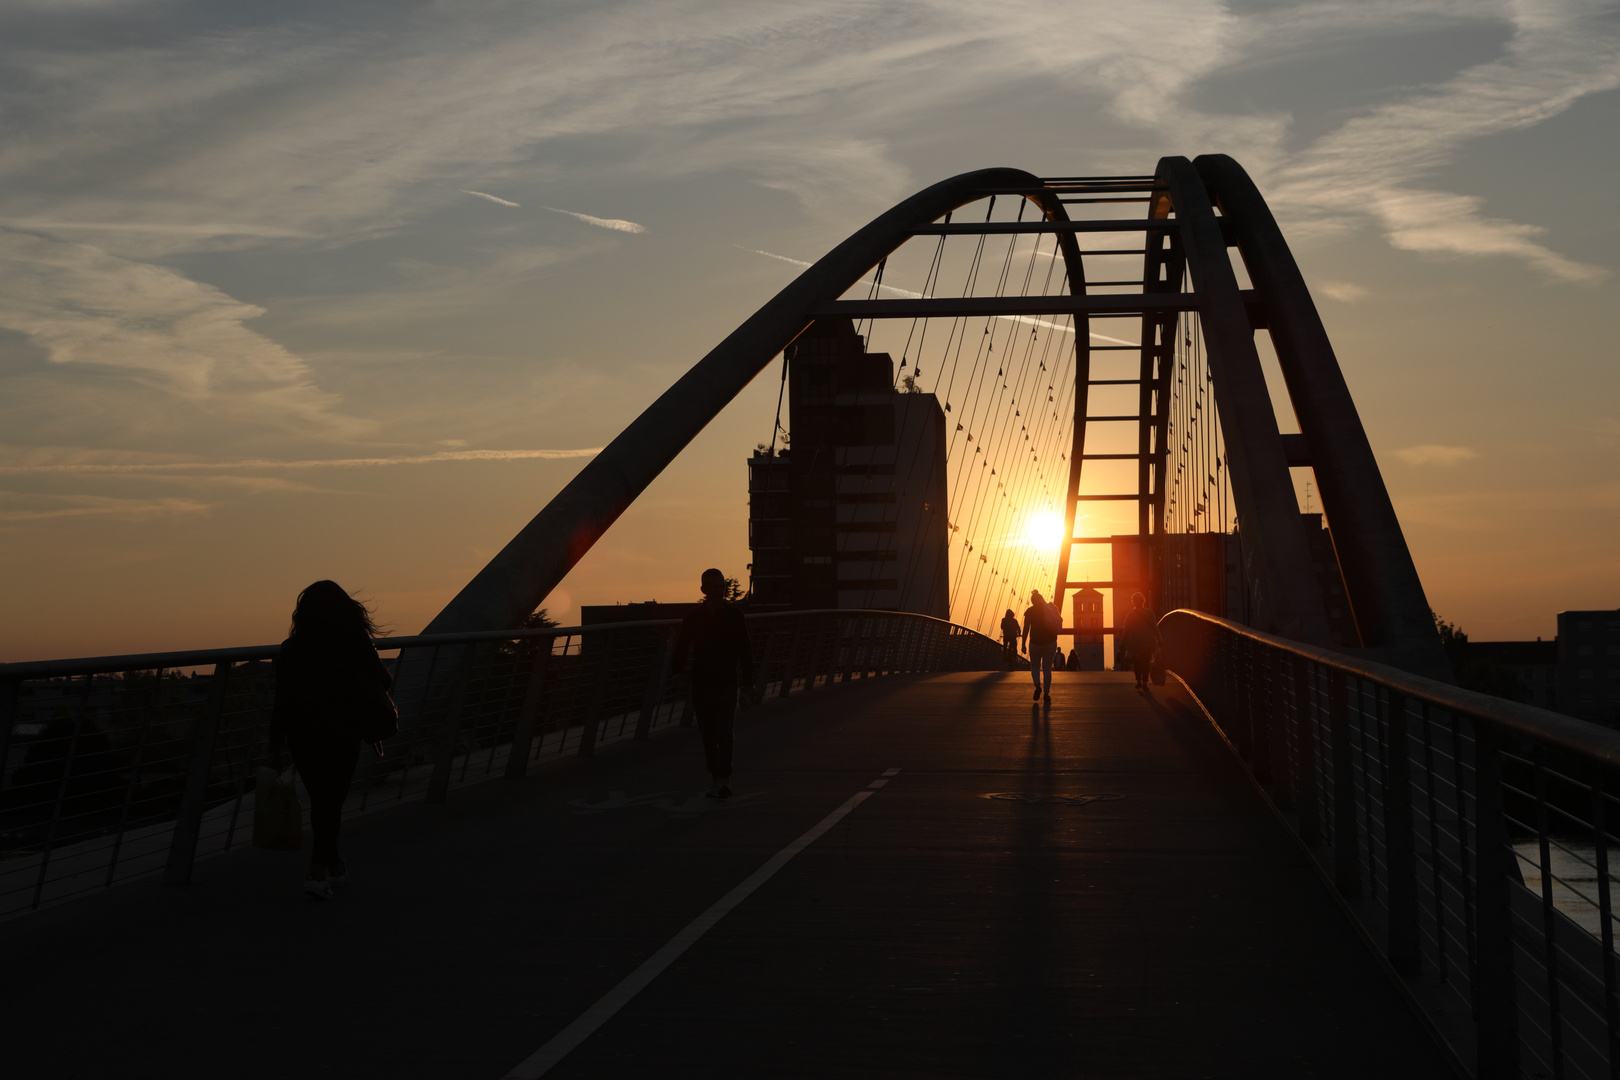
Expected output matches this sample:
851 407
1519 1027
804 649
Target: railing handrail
92 665
1564 732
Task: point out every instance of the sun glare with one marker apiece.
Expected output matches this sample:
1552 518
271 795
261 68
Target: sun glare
1045 531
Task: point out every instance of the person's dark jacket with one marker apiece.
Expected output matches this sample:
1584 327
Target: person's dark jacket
1041 624
717 639
319 683
1138 630
1009 628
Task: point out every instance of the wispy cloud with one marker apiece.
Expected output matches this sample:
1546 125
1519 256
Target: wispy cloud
496 199
616 224
1430 454
1345 292
103 506
84 467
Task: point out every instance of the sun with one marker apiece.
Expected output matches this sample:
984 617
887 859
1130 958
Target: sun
1044 530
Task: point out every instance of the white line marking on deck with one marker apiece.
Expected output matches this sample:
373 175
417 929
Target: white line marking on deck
562 1043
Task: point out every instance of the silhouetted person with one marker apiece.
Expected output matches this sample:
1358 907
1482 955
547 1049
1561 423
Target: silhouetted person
1074 659
715 635
1041 625
1140 634
327 668
1059 663
1009 636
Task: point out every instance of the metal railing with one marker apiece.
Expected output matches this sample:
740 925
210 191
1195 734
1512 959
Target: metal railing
117 767
1468 836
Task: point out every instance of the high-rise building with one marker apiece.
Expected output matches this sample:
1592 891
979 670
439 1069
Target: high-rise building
853 514
1589 665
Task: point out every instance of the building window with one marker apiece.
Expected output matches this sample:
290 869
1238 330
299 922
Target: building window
818 560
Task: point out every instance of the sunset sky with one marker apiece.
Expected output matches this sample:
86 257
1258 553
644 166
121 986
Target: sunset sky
350 289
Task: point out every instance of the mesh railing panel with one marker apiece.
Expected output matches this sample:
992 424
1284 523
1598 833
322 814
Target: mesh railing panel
118 768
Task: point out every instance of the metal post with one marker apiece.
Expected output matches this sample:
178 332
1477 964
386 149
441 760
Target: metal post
1346 845
183 844
762 680
1600 854
1263 707
10 691
1307 684
593 714
848 651
449 731
832 649
1495 1011
657 680
1399 848
517 761
1549 924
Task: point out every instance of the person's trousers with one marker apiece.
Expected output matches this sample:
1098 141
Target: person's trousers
1142 662
1041 658
326 765
716 708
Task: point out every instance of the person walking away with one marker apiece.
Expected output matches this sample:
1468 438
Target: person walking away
1058 663
715 635
1009 637
327 667
1041 625
1140 633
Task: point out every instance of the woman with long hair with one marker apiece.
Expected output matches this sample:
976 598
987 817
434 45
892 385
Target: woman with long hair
326 668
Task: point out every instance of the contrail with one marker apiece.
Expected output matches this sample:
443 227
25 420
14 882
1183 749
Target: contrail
486 195
616 224
316 463
1029 320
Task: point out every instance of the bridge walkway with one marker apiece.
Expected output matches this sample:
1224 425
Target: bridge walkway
932 932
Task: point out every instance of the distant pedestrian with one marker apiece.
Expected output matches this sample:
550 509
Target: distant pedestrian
1042 621
1009 637
325 673
1074 659
1058 661
716 636
1139 632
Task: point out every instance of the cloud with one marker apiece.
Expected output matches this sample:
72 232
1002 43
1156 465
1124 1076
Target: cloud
154 467
616 224
103 506
149 324
1429 454
492 198
1373 165
1343 291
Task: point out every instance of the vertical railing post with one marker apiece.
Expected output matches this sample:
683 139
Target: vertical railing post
598 702
848 651
1495 1010
1307 685
657 679
10 692
1399 843
762 681
1263 709
187 826
517 762
834 648
1346 845
792 658
450 728
1600 853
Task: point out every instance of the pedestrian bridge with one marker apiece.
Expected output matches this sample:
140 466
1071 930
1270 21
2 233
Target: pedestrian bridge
1093 889
1283 862
1307 854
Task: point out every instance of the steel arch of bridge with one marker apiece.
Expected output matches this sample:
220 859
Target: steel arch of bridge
1197 212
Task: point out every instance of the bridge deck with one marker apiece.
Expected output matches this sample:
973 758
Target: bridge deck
1175 932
